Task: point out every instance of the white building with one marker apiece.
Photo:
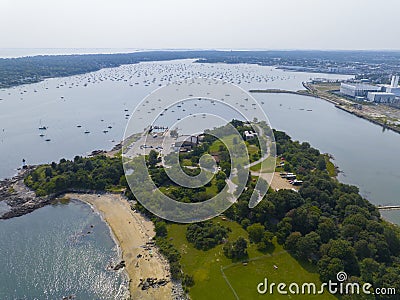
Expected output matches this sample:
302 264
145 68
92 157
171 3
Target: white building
358 89
394 86
381 97
395 81
248 135
394 90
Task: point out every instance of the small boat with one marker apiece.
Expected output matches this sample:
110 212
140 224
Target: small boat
43 128
47 140
41 135
79 126
109 127
87 131
105 131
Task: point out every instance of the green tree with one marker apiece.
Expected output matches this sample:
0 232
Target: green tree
48 172
342 250
292 240
266 241
256 232
161 229
220 184
153 158
326 229
188 280
236 249
308 246
206 235
369 268
328 267
284 229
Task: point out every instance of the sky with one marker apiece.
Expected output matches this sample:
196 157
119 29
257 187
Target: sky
205 24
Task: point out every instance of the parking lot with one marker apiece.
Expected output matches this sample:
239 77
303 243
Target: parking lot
161 142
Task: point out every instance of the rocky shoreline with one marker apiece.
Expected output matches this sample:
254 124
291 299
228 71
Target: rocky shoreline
23 200
19 197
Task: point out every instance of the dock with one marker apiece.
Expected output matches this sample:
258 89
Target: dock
389 207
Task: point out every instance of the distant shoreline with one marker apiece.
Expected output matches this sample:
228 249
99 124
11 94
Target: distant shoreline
30 52
337 105
22 70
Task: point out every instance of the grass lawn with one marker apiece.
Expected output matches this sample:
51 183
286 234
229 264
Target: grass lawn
213 190
228 141
244 279
251 148
186 162
267 165
330 167
205 266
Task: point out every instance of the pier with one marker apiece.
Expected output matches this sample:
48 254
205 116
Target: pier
389 207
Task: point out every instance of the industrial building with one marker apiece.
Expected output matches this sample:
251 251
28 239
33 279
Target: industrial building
358 89
381 97
394 86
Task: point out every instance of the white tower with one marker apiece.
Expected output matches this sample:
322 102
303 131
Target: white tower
395 81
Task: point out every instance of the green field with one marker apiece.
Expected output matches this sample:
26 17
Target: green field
227 141
207 268
244 278
267 165
330 167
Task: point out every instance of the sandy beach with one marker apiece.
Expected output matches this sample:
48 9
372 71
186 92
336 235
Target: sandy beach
132 231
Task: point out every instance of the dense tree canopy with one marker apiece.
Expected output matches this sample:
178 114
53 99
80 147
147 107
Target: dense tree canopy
206 235
326 223
93 173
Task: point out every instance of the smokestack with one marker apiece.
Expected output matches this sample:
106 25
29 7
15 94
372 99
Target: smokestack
395 81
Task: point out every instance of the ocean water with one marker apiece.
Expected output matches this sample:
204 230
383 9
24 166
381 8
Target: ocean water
364 153
48 254
106 98
103 99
